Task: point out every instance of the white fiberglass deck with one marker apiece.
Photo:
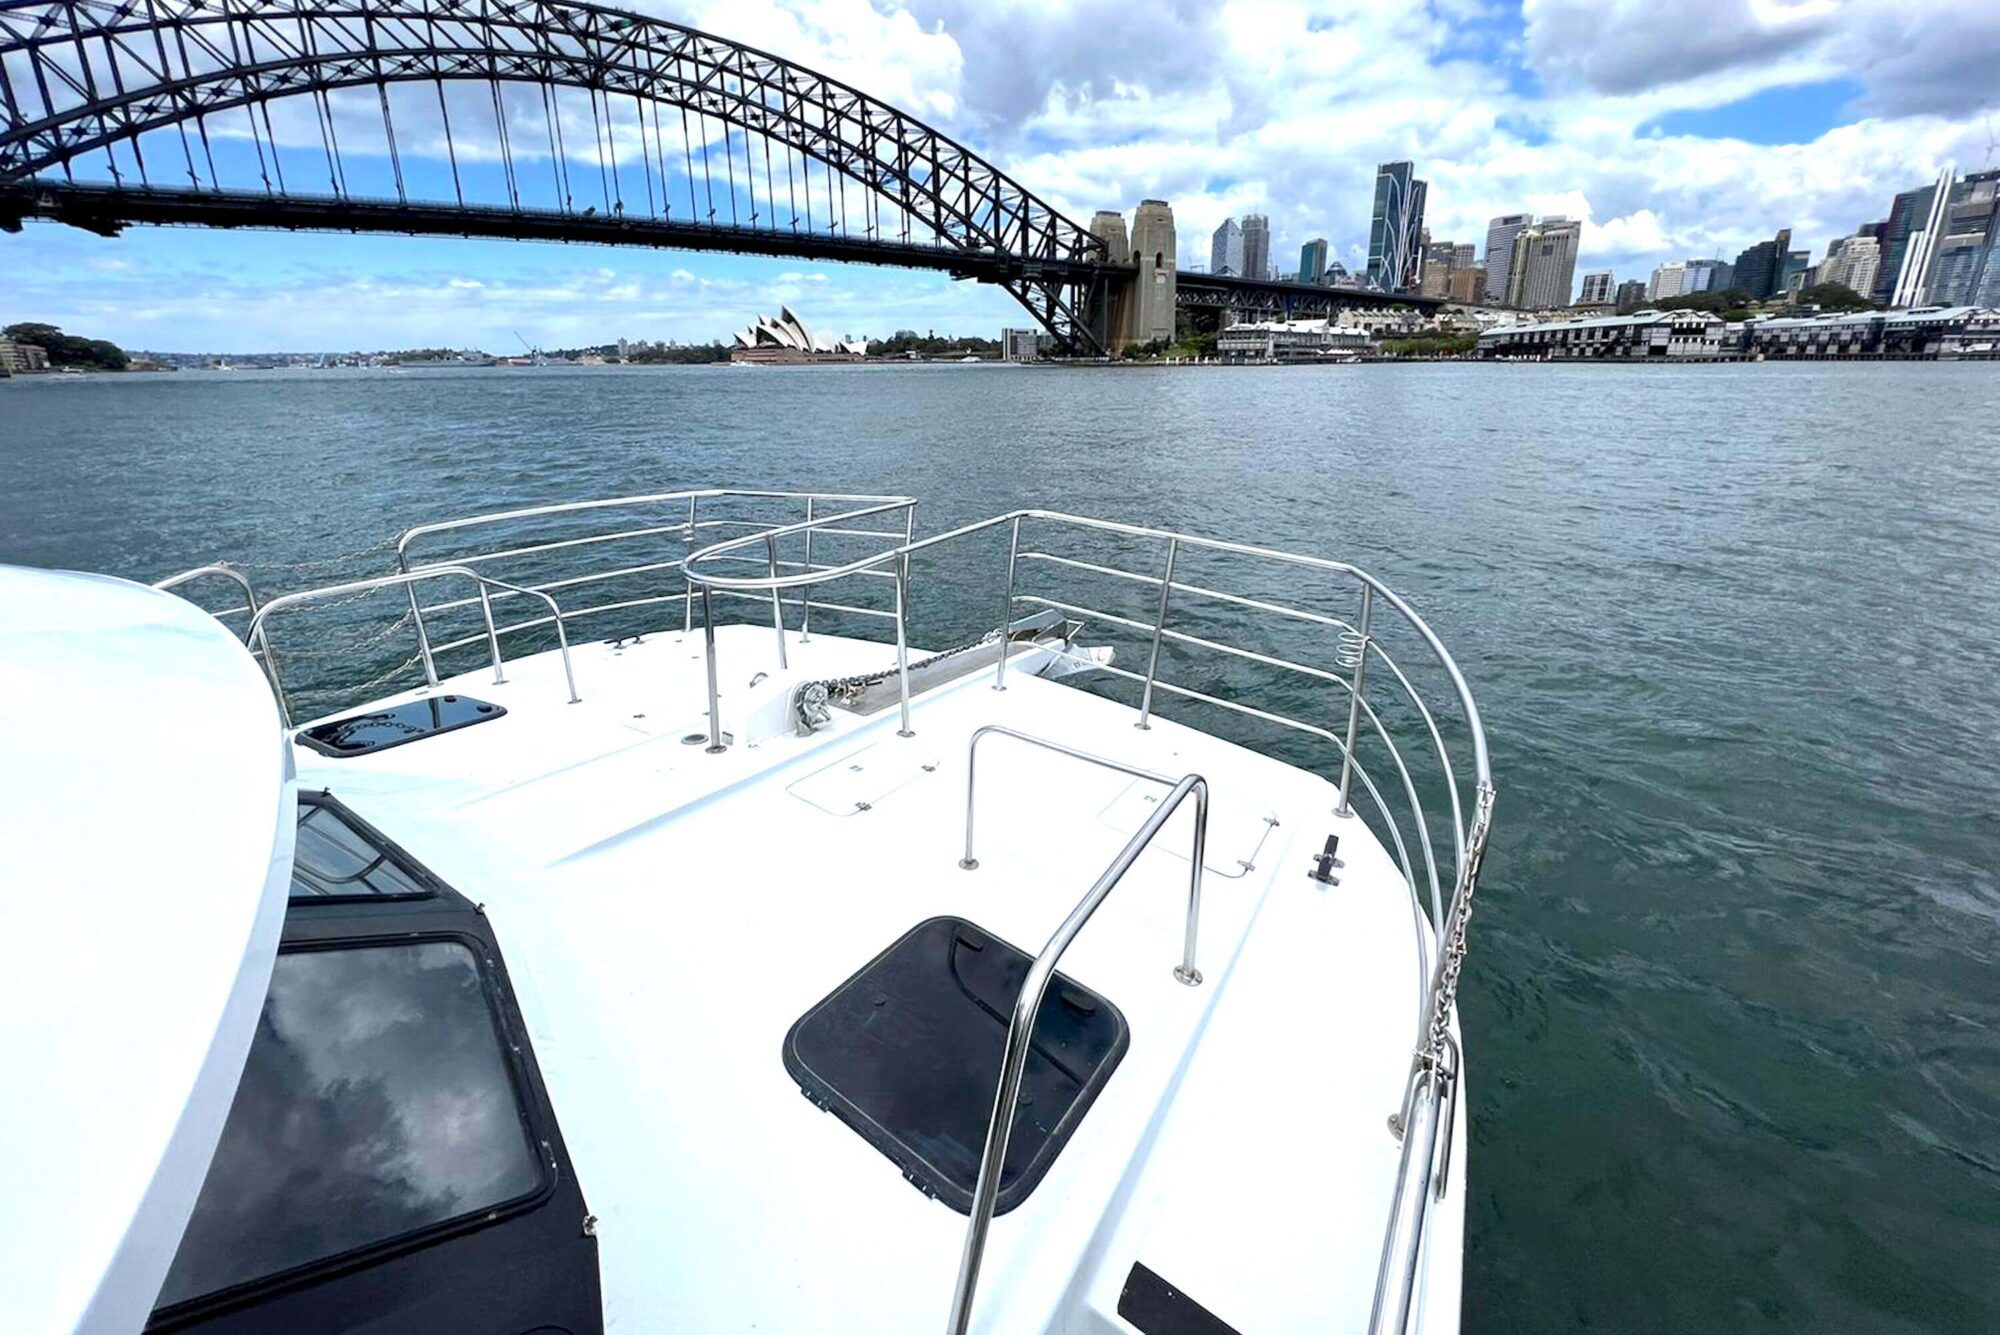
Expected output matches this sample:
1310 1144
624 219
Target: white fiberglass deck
667 914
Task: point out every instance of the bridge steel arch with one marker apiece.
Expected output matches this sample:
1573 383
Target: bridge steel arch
78 76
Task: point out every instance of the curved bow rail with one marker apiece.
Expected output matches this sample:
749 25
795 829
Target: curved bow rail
1428 1102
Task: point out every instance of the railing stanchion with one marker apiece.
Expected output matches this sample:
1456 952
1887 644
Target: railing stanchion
1007 612
1185 971
777 607
903 642
1159 629
687 614
417 615
806 590
1354 702
715 743
492 635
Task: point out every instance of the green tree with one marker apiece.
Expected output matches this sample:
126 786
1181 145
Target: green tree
67 349
1732 304
1834 297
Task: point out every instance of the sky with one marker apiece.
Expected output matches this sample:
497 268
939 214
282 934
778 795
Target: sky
1671 130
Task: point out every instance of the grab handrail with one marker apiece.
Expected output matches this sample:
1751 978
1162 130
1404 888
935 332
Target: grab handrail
220 570
1021 1029
1185 971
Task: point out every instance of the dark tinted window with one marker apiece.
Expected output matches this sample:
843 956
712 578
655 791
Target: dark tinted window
376 1101
334 858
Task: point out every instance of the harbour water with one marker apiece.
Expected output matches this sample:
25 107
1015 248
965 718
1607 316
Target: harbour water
1733 1007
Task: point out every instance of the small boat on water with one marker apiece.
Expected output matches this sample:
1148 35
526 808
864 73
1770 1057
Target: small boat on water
689 950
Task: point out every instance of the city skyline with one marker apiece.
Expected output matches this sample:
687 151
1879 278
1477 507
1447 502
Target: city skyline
1663 144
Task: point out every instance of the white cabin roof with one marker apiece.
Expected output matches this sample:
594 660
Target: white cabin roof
148 820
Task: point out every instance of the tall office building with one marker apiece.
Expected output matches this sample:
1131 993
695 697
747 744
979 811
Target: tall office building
1500 234
1906 216
1707 276
1312 261
1468 285
1256 246
1596 288
1760 269
1964 257
1668 280
1794 270
1631 295
1913 277
1542 271
1225 249
1395 229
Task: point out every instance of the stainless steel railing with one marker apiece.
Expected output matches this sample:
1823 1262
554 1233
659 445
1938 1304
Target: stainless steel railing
1027 1005
1366 674
1440 934
408 578
684 531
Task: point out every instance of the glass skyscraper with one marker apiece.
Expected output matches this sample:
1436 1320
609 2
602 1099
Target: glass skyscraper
1500 234
1312 261
1396 228
1256 246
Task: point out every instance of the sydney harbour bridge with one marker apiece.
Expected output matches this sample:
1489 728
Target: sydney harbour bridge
554 121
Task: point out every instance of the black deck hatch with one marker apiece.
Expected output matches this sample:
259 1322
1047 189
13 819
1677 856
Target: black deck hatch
411 721
907 1052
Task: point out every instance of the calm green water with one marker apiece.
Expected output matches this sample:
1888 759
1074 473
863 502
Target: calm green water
1734 999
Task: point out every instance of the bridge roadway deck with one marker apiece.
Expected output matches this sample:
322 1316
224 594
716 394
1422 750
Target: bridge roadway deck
107 210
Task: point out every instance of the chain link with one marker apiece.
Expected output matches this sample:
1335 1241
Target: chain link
322 566
1451 962
352 646
845 690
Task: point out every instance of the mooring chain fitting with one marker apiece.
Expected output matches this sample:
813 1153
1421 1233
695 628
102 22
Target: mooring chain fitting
1451 962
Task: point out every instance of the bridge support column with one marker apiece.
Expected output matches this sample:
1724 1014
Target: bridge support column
1149 311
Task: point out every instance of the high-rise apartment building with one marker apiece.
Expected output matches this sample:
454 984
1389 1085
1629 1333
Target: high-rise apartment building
1668 280
1542 271
1596 288
1439 262
1853 262
1312 261
1500 234
1225 249
1395 229
1256 246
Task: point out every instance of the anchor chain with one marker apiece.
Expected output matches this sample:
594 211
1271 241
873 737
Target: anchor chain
1451 957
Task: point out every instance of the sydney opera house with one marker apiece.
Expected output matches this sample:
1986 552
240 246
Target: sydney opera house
786 341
